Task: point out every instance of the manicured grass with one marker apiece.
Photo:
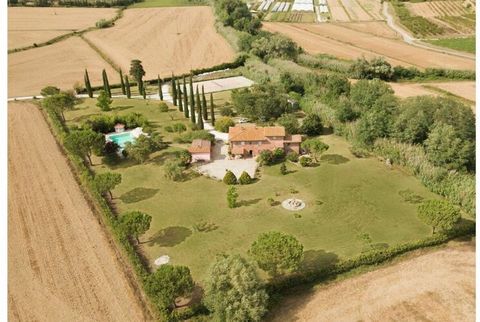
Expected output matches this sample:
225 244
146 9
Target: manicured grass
168 3
462 44
347 199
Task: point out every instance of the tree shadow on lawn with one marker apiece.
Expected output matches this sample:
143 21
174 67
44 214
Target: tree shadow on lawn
164 156
81 118
169 237
315 259
138 194
247 203
334 159
121 108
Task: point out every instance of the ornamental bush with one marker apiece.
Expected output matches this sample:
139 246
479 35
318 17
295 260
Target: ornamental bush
305 161
229 178
245 178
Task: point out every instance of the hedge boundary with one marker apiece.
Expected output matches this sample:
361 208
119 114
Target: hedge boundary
371 258
120 242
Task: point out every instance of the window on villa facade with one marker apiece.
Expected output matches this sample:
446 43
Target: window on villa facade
243 142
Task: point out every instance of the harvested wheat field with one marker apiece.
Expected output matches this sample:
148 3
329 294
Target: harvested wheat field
346 43
337 11
166 40
462 89
430 9
404 90
376 28
27 26
436 285
61 64
61 265
355 12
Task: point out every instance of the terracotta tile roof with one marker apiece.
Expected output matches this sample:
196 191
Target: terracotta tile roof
296 138
200 146
253 133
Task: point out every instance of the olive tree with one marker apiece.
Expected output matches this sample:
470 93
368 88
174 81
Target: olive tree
438 214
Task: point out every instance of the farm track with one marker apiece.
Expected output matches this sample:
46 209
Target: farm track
62 266
345 43
429 285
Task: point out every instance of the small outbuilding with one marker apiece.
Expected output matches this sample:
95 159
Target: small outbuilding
201 150
119 128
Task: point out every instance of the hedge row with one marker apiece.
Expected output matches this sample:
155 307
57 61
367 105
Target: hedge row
374 257
238 62
99 203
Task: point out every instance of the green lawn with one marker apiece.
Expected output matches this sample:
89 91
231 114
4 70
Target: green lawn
462 44
346 198
167 3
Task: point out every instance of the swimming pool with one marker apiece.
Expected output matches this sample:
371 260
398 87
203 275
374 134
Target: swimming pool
121 138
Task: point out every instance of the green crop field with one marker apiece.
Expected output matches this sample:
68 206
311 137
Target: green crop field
351 204
167 3
462 44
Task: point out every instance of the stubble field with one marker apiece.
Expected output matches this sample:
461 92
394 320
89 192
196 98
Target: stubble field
349 44
61 265
166 40
27 26
433 286
61 64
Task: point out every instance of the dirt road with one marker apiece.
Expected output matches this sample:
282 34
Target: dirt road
61 266
435 286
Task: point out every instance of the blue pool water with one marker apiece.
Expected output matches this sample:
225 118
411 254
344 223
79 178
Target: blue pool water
122 138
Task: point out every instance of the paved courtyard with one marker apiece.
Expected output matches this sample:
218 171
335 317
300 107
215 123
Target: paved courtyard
220 163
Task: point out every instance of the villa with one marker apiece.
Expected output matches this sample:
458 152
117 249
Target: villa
201 150
250 140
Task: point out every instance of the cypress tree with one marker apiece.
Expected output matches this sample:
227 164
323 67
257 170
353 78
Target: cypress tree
200 118
180 102
106 85
174 91
179 97
160 93
185 98
87 85
124 92
144 94
127 87
198 103
204 104
192 101
212 114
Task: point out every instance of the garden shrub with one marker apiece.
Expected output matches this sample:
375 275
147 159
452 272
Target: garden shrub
184 157
163 107
223 123
229 178
169 129
179 127
265 157
245 178
292 156
305 161
103 23
226 110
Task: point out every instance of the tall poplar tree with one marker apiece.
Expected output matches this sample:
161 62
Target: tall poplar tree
87 85
198 102
204 104
124 92
127 87
212 113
